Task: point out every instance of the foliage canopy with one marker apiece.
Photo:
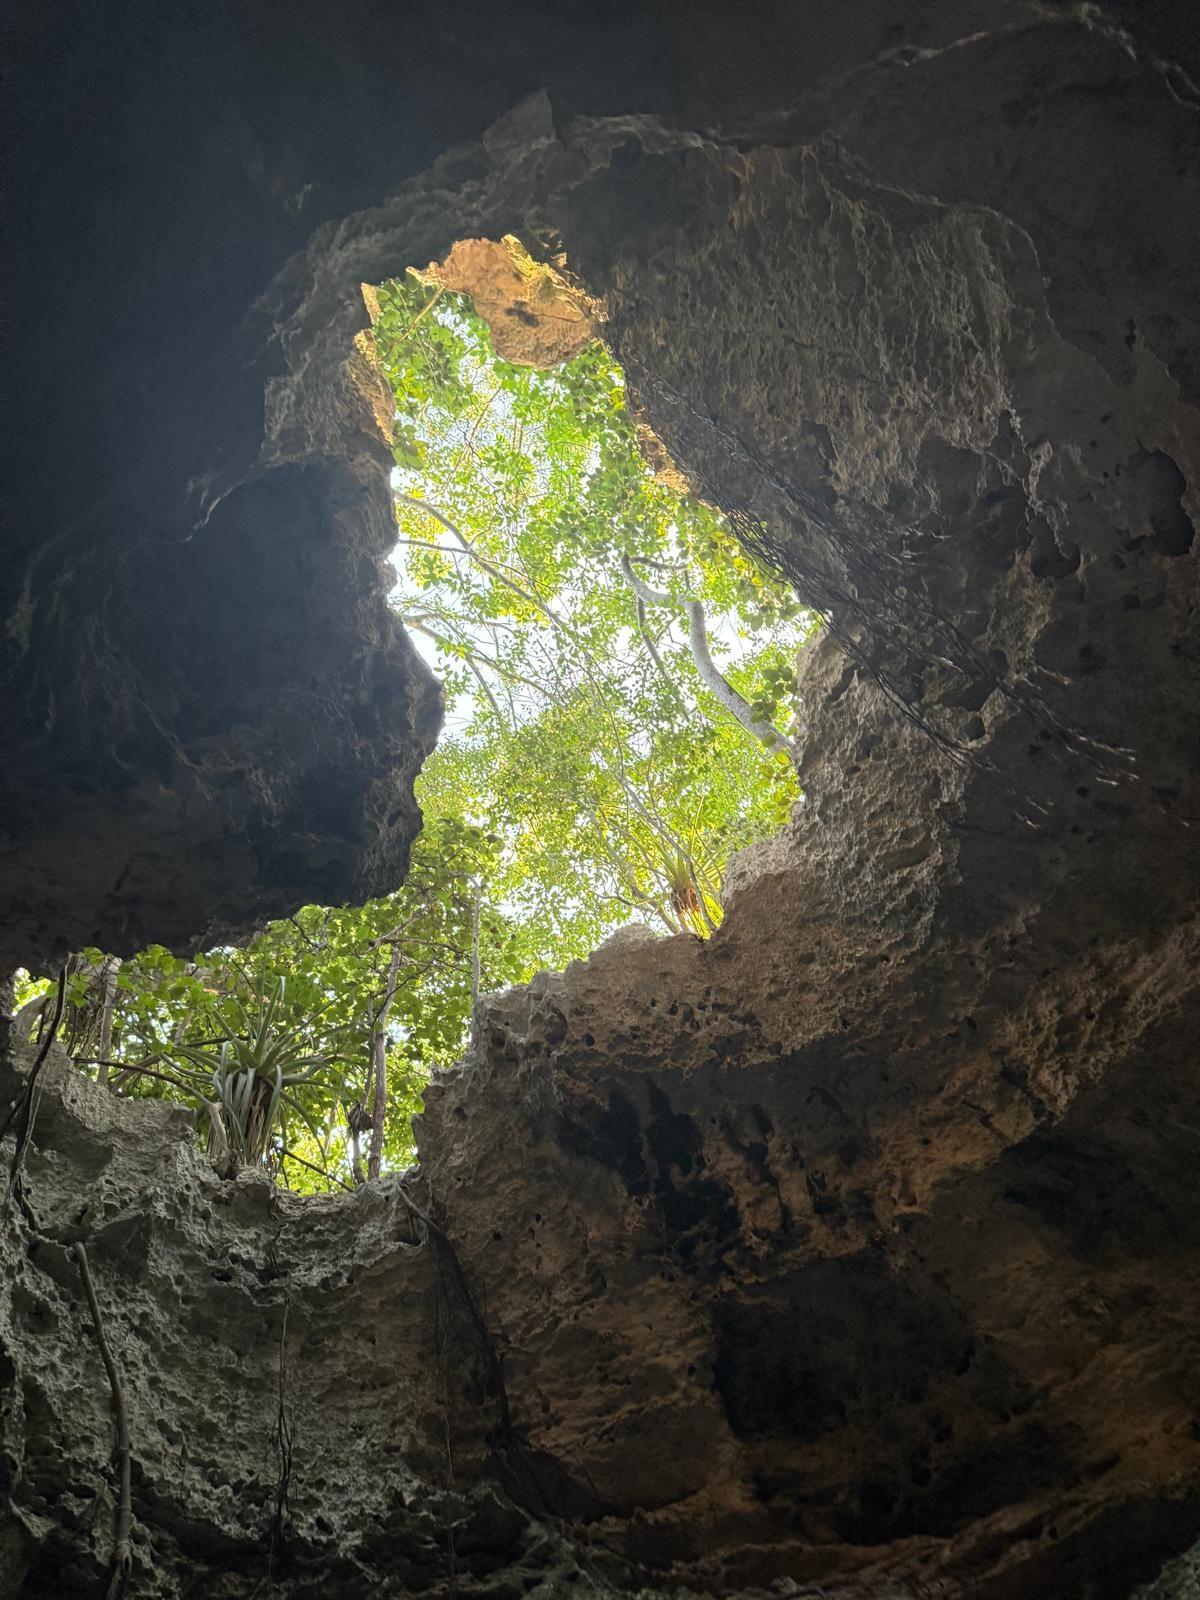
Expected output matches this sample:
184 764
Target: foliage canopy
619 782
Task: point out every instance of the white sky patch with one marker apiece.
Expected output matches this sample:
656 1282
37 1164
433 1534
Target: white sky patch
461 712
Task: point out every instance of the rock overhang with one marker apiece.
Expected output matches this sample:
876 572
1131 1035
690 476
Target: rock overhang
818 1251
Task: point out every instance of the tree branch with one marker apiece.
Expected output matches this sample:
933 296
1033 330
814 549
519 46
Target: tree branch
652 648
650 597
487 693
330 1177
474 654
711 676
489 566
715 681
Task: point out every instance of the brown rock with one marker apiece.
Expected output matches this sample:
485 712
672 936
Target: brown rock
855 1250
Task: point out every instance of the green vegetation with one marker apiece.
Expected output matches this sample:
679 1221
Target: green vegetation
619 676
312 988
560 584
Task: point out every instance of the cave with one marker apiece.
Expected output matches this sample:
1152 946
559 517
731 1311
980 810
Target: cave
851 1252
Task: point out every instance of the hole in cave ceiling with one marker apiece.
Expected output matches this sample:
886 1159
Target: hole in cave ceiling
619 677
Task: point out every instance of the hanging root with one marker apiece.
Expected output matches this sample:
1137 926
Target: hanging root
121 1564
281 1438
441 1336
449 1263
26 1109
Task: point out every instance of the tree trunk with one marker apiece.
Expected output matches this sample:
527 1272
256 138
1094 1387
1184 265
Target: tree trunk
108 995
475 949
379 1060
356 1168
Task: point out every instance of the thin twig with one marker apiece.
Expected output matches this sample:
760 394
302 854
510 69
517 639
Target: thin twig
330 1177
487 693
423 313
122 1553
652 648
130 1068
312 945
475 654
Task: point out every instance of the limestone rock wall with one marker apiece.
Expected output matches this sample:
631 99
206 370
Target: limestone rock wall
855 1250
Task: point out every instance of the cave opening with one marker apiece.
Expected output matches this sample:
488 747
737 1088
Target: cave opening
849 1250
619 677
619 671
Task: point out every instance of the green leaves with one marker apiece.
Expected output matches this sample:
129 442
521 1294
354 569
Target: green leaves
277 1036
579 727
250 1071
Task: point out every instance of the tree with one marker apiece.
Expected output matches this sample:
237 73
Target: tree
575 605
379 993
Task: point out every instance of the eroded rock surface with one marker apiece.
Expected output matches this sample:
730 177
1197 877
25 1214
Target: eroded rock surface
856 1250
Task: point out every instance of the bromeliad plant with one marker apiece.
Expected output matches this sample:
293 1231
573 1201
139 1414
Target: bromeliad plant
177 1029
254 1073
692 900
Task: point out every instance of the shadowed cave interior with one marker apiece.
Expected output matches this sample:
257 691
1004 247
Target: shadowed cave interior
852 1251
